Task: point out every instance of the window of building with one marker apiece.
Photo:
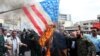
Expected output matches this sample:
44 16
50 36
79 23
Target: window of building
85 24
86 28
63 22
91 23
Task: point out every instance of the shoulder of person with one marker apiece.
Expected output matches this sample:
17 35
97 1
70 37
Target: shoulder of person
87 35
17 38
9 38
86 40
1 36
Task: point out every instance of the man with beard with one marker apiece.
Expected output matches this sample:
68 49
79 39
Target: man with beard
14 42
84 46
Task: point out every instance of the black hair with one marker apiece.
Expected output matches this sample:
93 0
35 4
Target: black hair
2 29
14 31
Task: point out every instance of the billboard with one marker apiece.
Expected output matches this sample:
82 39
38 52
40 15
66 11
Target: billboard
97 25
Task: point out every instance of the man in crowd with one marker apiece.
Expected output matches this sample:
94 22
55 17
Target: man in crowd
33 44
95 39
84 46
3 46
72 44
59 47
78 45
14 42
5 34
22 49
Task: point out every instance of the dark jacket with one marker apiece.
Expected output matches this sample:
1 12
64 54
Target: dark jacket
85 48
34 44
72 45
2 42
58 44
59 41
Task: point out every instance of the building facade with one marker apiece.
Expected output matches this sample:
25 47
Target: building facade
64 19
86 25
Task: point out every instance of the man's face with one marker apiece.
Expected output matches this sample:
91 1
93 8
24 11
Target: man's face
79 34
73 34
14 34
94 32
5 32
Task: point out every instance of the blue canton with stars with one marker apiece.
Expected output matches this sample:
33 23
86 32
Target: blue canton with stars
52 8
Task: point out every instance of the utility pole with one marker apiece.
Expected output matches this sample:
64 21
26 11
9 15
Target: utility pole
9 10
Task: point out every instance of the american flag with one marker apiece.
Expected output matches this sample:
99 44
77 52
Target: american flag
42 14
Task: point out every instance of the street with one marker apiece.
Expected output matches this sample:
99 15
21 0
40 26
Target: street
27 53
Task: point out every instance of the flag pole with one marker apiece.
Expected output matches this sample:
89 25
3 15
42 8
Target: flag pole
9 10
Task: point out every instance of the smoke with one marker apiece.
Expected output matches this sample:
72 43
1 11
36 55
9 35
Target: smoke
6 5
10 4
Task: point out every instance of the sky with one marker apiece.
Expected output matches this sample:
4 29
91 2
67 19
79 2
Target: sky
80 10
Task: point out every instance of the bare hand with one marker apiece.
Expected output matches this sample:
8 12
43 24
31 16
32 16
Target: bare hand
8 47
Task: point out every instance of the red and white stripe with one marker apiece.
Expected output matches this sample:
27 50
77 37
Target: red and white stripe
37 17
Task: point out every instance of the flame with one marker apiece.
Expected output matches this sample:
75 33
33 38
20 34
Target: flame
45 38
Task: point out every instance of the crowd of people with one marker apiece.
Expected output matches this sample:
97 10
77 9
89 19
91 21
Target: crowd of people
16 43
63 43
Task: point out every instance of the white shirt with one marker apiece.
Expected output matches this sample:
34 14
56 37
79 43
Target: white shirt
73 44
5 38
15 44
